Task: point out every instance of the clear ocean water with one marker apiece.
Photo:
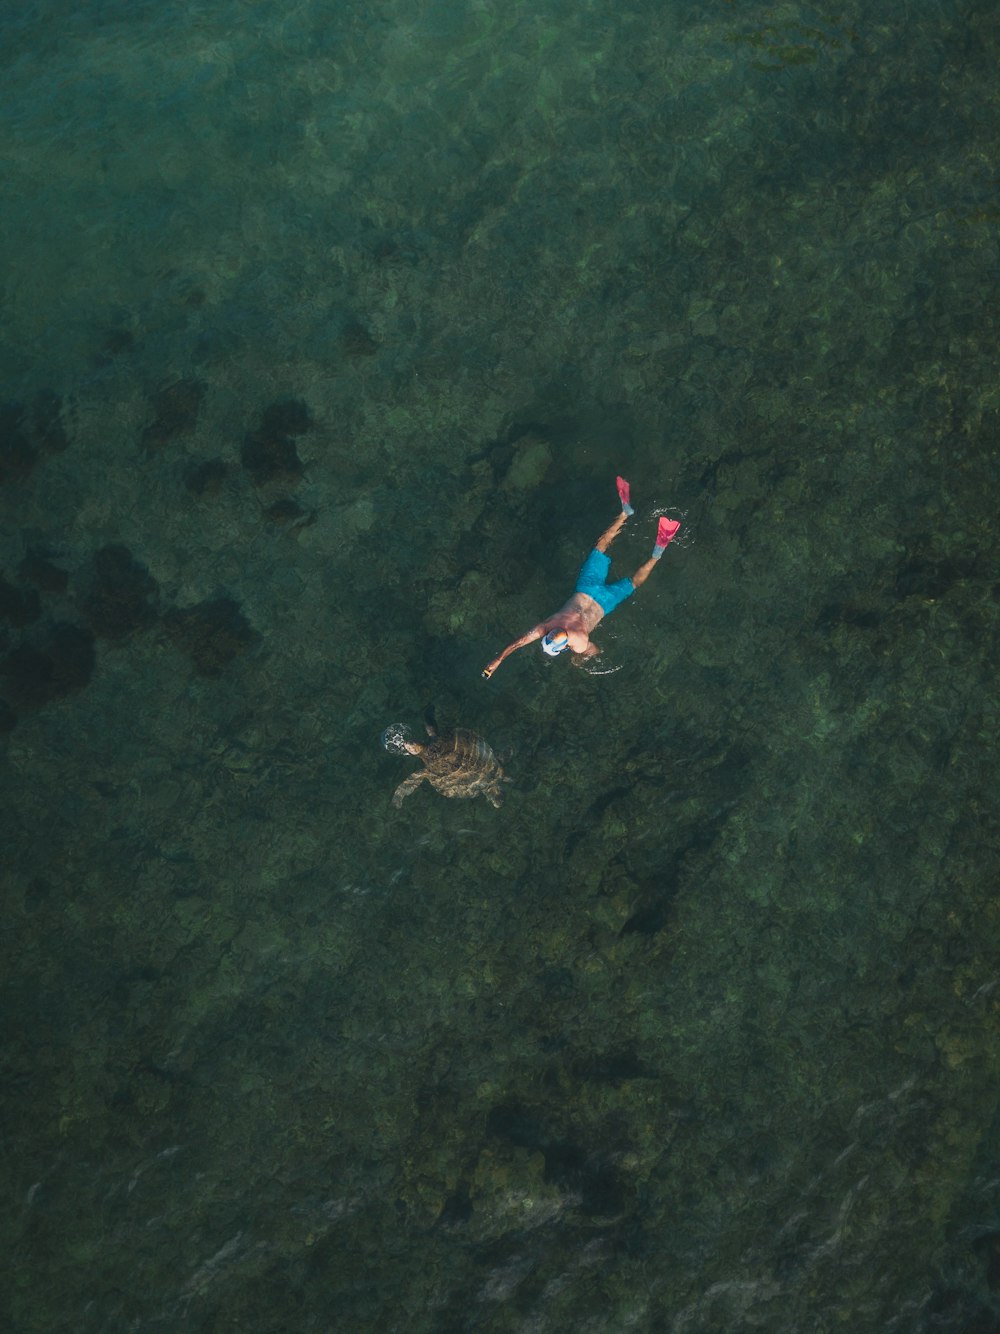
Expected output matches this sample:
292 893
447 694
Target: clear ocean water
326 329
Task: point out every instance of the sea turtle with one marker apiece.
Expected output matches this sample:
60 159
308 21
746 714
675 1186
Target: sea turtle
457 762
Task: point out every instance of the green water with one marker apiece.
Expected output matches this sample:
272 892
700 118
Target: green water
325 331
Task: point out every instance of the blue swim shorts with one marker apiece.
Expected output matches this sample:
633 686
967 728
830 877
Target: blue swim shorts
593 582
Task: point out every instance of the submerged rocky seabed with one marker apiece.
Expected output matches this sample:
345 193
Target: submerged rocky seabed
698 1032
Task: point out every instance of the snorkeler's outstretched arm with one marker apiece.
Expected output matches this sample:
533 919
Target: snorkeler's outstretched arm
529 638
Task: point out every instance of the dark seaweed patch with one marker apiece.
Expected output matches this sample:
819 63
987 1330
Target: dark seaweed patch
212 634
37 569
176 407
567 1164
206 479
269 453
288 416
653 914
58 662
122 594
46 411
116 343
920 577
18 454
615 1068
286 511
18 607
845 613
270 458
357 341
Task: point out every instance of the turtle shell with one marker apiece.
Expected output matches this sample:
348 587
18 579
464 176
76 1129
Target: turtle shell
458 763
461 763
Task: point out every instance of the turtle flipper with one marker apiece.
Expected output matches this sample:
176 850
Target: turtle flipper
407 786
430 721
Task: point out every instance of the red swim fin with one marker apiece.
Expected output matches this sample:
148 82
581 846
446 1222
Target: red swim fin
666 531
623 495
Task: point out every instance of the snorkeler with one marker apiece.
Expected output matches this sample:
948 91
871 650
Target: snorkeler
594 598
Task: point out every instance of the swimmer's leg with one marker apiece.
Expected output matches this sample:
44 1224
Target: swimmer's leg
666 531
643 572
609 534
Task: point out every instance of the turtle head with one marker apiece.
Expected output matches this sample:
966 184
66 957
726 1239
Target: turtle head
396 740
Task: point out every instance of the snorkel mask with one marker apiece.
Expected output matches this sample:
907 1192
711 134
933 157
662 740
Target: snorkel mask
554 642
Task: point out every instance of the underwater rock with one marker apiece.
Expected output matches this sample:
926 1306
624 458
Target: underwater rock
449 611
212 634
121 596
532 457
58 662
18 607
509 1192
269 453
176 408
